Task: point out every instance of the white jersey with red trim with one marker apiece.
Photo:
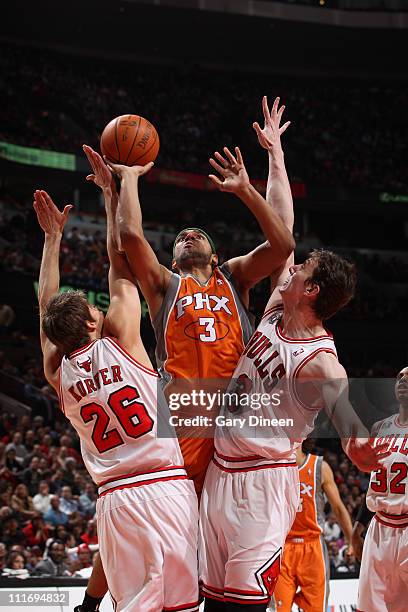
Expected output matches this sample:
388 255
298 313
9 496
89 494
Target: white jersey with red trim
270 419
117 407
388 490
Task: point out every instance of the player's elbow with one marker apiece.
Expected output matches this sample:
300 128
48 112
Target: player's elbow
132 240
286 247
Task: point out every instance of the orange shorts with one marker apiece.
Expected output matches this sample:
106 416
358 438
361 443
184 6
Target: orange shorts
304 566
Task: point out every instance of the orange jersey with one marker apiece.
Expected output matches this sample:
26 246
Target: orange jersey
201 331
309 519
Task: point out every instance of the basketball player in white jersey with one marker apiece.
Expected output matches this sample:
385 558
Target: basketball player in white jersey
147 508
251 491
383 584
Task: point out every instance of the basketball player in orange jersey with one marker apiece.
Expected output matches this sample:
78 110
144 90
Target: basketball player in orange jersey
147 507
251 491
305 562
199 311
383 584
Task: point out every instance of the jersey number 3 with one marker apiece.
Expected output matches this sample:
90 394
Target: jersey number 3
131 414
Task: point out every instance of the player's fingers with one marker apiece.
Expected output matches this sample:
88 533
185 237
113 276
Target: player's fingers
275 105
280 112
66 210
265 109
230 156
48 200
90 177
146 168
42 202
115 168
221 159
284 127
215 180
217 167
90 155
239 155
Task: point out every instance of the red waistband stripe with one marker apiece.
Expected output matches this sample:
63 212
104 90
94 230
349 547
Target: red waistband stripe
252 466
138 480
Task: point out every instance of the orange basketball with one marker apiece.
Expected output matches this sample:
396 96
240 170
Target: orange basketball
130 140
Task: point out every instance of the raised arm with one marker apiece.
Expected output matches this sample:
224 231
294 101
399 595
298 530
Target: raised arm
269 256
52 222
152 277
325 383
332 493
278 191
123 317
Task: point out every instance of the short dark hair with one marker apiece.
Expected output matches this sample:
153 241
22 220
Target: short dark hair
64 321
336 278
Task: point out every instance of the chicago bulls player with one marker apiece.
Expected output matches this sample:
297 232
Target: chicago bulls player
251 490
147 507
383 584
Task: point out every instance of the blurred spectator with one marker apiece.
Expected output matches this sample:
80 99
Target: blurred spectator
22 503
91 535
36 532
53 562
16 566
32 475
18 446
42 501
332 530
334 556
87 501
3 556
68 504
11 532
54 515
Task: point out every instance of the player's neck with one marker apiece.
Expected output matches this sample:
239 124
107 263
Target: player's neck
298 323
403 415
200 273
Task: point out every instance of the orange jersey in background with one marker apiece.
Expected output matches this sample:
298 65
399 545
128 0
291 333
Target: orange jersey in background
201 331
305 562
309 521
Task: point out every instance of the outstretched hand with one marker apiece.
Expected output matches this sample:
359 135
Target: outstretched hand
269 136
120 170
365 455
232 170
102 176
51 219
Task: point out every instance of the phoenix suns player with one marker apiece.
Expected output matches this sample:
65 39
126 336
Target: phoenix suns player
305 558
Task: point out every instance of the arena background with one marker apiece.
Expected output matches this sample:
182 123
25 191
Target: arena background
198 71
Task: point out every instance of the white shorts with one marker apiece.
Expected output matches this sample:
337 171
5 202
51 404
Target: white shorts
148 545
245 517
383 585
